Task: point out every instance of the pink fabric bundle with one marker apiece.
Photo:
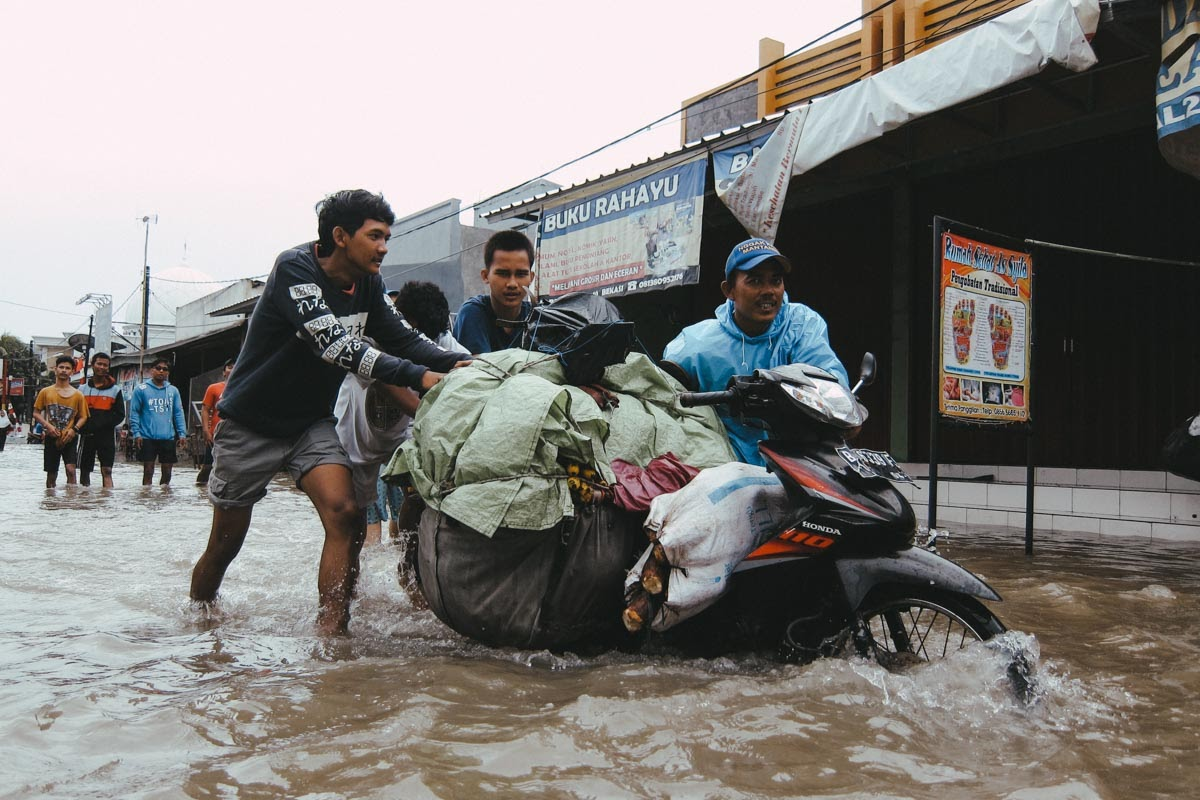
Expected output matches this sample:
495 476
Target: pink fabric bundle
636 487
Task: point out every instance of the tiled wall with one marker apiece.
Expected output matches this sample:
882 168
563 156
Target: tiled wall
1101 502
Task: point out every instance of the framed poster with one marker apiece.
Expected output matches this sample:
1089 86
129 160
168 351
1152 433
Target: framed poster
985 325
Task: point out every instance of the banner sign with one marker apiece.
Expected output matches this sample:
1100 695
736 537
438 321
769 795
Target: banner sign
1178 89
986 318
729 163
16 387
756 193
639 237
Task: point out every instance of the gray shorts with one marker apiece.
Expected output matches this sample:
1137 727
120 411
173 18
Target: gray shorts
366 483
244 462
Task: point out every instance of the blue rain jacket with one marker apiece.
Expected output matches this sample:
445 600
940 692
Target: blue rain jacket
157 413
715 350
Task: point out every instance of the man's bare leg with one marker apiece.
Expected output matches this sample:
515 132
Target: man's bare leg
70 468
229 528
51 479
167 469
106 472
147 473
331 490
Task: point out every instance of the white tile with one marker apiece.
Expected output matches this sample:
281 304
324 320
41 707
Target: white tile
916 470
1057 476
1177 484
950 514
1124 527
968 494
1140 479
1099 477
975 471
1006 495
1176 533
1041 522
921 485
921 512
985 516
1011 475
905 490
1053 499
1096 502
1073 524
1146 505
949 471
1185 508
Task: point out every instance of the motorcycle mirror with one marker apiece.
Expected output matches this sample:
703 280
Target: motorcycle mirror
866 373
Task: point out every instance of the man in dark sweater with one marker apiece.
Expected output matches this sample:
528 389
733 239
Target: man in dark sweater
305 334
106 410
507 271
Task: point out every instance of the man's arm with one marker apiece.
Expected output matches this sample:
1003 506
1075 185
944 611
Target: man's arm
302 304
38 407
813 347
387 327
179 420
471 329
135 413
204 418
118 409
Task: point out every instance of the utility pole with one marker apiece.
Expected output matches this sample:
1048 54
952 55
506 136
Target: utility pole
146 220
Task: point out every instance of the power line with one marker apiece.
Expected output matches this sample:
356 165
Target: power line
47 310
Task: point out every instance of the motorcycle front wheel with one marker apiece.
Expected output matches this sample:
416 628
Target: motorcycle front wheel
918 626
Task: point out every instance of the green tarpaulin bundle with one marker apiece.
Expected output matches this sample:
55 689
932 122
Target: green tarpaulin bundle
490 441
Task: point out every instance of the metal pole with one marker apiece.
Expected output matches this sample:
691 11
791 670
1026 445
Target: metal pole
145 296
935 361
87 349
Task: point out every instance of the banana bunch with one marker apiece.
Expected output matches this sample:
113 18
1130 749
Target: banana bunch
586 485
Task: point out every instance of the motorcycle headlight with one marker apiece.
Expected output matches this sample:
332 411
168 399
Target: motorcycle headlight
830 400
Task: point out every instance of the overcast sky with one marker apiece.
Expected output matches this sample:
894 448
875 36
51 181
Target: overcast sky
229 120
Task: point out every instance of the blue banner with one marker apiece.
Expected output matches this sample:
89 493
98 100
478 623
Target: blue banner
638 237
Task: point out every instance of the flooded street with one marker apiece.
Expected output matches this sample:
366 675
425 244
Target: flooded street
112 686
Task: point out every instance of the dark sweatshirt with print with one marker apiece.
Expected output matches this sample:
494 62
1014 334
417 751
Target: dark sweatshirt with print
304 336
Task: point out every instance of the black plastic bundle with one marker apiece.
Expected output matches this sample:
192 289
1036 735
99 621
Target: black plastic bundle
585 331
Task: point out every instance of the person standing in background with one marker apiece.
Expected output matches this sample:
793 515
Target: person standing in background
106 410
209 417
6 426
61 411
156 420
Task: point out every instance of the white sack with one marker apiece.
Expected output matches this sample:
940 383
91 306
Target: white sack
706 529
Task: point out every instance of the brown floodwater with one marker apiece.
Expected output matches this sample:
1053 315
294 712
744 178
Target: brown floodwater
112 686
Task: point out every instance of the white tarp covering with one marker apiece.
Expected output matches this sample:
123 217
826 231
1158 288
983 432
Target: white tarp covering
1011 47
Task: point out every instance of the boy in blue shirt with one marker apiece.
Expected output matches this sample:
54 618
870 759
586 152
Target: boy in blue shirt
156 421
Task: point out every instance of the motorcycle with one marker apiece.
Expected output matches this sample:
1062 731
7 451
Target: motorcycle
843 573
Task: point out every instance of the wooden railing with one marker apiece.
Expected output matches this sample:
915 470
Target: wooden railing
891 32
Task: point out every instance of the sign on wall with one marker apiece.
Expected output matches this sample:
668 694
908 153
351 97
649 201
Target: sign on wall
986 315
1178 89
638 237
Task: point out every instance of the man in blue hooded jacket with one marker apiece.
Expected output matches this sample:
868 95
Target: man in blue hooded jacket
156 421
756 328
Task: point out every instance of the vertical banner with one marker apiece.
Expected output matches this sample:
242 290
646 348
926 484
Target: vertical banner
755 195
641 236
1178 89
986 315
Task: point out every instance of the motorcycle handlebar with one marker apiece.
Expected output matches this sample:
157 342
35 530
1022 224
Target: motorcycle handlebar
689 399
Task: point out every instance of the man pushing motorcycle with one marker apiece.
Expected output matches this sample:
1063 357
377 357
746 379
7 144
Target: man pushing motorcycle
756 328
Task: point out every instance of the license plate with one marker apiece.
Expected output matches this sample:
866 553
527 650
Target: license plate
873 464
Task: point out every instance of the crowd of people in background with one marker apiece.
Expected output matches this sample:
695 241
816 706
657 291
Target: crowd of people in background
330 375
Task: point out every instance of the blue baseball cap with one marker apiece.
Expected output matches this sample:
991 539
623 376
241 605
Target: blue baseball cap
752 252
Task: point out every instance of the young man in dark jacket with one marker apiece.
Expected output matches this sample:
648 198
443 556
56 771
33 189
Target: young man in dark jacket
106 411
306 332
507 271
